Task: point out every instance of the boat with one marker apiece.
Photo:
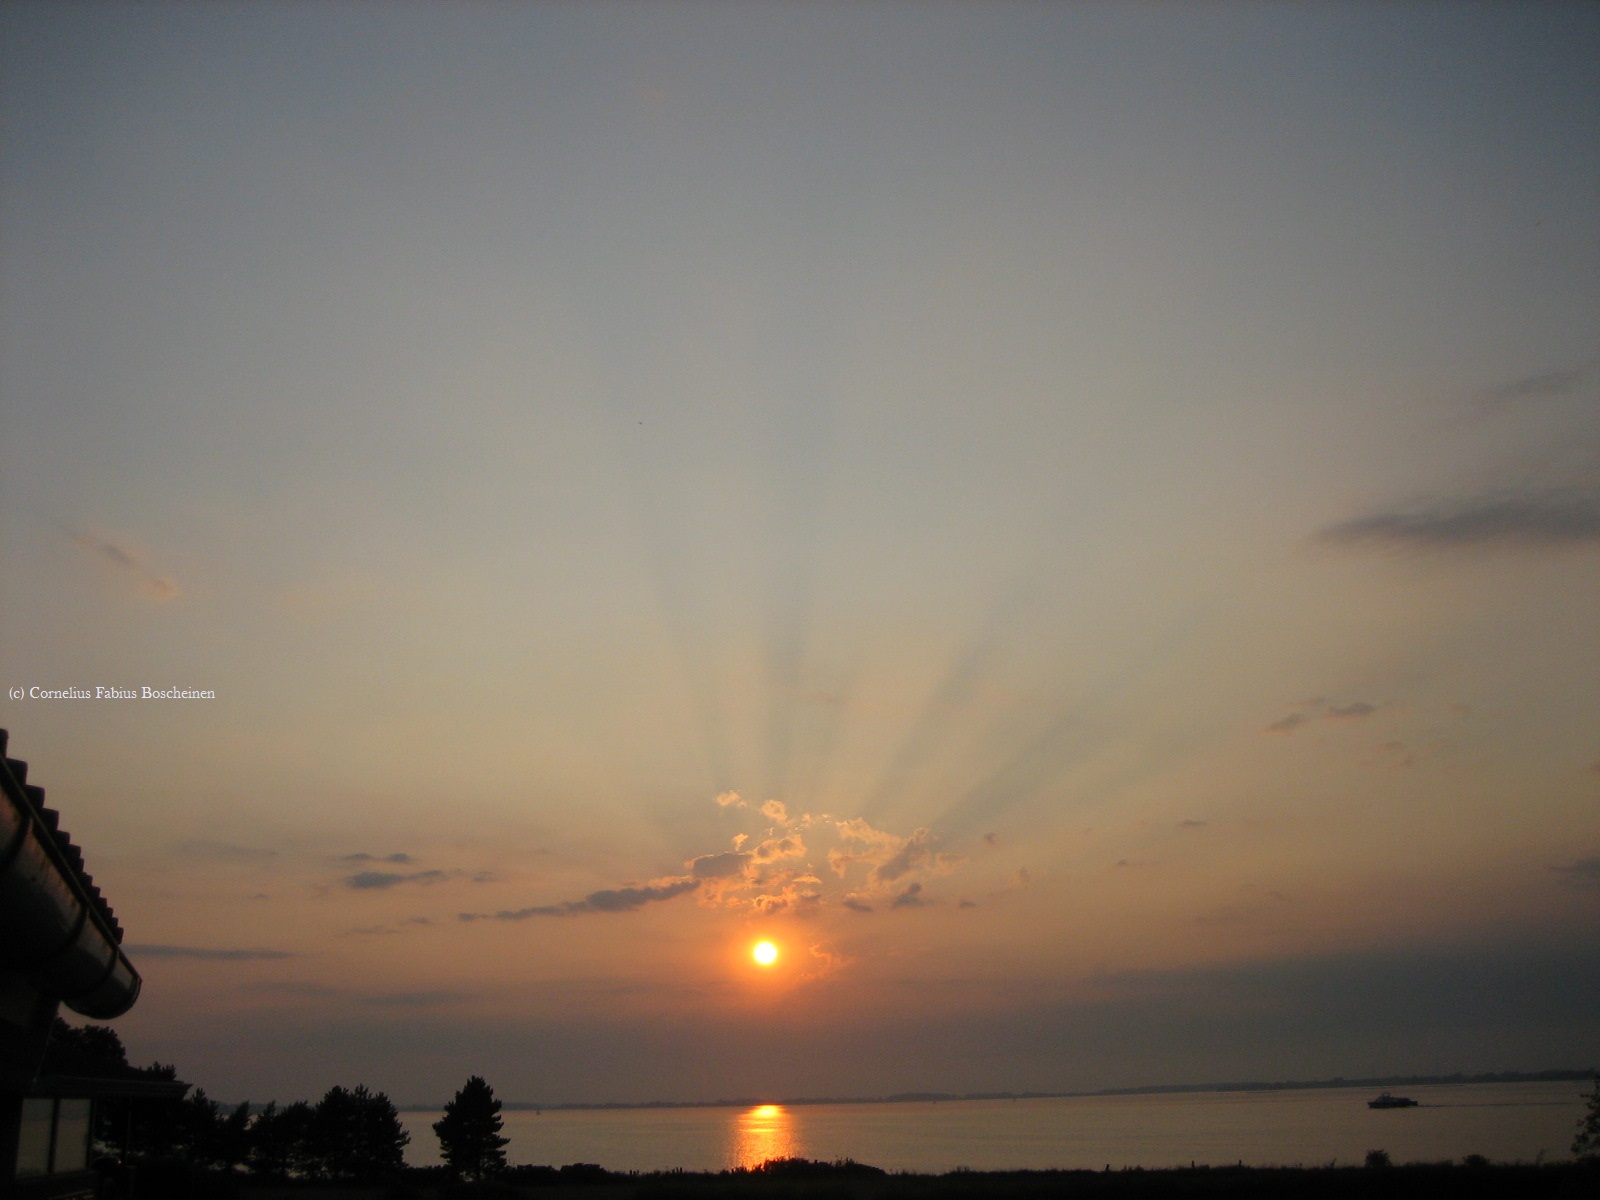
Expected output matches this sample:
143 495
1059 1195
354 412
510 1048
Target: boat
1389 1100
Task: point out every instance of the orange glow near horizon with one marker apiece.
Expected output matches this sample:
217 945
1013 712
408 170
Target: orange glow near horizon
765 953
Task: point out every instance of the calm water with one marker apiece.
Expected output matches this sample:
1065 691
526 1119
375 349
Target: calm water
1503 1122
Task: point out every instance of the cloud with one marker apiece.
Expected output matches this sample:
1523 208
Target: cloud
1526 519
384 930
161 950
799 894
292 987
719 866
731 800
1351 711
417 999
765 878
1287 724
156 586
369 880
825 962
773 849
1535 387
224 851
610 900
967 904
911 897
991 839
891 858
916 853
388 858
1585 872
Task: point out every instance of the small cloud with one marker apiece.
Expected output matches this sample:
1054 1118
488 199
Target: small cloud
719 866
610 900
209 954
295 988
856 904
1399 755
774 849
1535 387
417 999
798 895
1287 724
776 811
1585 872
917 853
387 930
378 880
401 859
158 587
825 962
1191 824
225 852
1350 711
911 897
991 839
965 903
1514 518
731 800
1020 878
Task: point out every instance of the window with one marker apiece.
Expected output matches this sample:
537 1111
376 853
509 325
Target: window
53 1137
33 1140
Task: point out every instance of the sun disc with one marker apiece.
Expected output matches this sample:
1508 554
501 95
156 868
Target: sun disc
764 953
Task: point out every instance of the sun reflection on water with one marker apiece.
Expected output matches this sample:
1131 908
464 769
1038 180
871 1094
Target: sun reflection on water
761 1133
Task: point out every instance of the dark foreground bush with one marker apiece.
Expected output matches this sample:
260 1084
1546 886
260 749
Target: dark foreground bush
806 1168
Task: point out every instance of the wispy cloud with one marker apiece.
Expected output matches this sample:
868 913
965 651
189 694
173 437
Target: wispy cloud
152 584
368 880
1355 711
609 900
910 897
162 950
385 930
1584 872
1528 518
401 859
889 857
1288 724
417 999
224 852
1535 387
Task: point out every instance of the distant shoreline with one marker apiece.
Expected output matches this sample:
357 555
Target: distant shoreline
1376 1081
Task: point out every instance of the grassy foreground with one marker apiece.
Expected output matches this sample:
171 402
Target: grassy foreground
802 1180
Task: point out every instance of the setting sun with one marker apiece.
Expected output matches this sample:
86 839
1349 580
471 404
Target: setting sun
765 953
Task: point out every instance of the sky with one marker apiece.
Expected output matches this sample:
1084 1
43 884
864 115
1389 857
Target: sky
1079 523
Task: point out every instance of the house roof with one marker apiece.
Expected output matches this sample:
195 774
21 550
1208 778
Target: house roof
60 932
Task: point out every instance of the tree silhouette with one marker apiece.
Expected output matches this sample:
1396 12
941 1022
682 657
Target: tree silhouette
469 1134
356 1136
1587 1143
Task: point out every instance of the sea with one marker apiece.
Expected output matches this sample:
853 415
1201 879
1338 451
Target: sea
1503 1122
